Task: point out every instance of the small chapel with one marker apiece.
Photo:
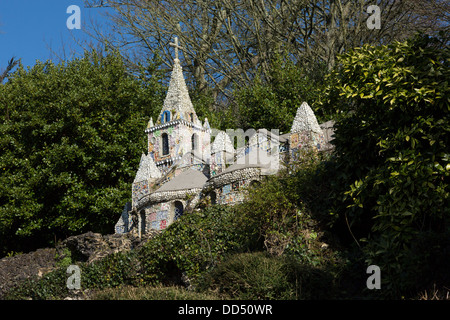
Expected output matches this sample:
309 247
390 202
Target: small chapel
187 161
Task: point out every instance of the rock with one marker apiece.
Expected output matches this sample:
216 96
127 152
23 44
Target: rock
82 247
14 270
87 247
90 246
78 295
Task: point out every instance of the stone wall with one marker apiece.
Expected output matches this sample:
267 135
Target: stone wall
14 270
233 176
230 193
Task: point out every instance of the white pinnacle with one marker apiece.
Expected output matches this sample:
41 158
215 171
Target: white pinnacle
305 120
147 169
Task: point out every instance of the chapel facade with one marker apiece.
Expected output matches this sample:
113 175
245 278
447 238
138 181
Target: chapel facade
181 167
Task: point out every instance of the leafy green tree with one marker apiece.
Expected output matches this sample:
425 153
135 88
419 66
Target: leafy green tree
392 166
272 102
71 136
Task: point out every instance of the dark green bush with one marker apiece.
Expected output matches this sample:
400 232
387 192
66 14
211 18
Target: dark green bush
112 271
261 276
50 286
192 245
392 165
285 206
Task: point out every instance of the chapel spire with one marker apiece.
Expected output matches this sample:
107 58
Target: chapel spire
178 104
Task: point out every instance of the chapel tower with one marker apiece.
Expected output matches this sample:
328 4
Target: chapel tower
177 130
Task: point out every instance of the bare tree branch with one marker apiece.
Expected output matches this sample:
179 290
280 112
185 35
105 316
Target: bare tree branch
229 41
11 64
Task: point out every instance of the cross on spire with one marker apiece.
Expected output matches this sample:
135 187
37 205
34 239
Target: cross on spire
176 46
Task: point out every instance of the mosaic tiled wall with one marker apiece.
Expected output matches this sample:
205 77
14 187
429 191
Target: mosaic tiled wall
155 144
140 189
299 140
180 142
217 163
158 217
231 193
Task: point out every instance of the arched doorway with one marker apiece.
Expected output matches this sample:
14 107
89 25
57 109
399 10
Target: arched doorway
178 210
142 221
213 196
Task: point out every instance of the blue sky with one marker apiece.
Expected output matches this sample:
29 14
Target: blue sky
29 27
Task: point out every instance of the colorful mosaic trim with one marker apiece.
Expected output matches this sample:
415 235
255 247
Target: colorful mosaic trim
158 216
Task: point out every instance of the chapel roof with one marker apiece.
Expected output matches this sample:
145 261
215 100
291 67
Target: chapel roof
188 179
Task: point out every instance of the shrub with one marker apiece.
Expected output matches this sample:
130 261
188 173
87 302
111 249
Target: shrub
50 286
284 206
115 270
268 211
392 166
261 276
192 245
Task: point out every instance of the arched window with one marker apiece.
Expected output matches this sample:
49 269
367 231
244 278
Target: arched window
165 144
165 117
194 141
191 117
178 210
